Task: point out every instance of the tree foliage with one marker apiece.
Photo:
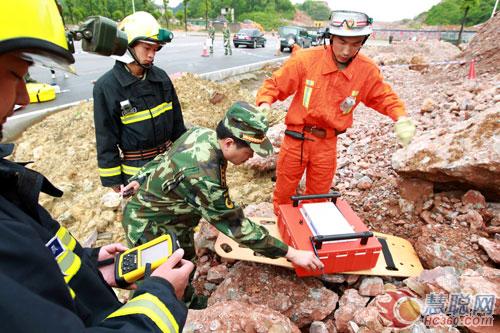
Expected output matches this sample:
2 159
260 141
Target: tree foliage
242 8
75 11
316 10
451 12
269 13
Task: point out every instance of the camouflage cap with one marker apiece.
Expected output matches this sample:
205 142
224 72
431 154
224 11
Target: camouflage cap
250 125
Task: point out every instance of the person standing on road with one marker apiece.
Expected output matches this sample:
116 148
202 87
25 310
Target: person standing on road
211 35
48 281
227 40
137 113
327 83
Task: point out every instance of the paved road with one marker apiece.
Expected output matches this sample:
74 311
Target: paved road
182 55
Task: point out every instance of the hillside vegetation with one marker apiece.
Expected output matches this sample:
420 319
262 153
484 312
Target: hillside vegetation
450 12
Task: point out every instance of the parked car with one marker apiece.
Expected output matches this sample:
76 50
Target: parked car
249 37
290 35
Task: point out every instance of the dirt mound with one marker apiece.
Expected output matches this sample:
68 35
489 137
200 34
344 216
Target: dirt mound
402 52
302 19
484 47
72 164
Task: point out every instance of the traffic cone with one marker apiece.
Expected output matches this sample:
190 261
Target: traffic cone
472 70
204 53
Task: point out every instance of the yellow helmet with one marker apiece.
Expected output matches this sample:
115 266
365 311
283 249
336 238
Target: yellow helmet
142 26
35 29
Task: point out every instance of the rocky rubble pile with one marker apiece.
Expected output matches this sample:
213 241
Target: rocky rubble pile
448 226
484 47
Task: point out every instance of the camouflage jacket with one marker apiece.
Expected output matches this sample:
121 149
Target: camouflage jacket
226 34
211 32
187 183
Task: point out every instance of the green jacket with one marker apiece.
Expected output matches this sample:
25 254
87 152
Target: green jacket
211 32
187 183
226 34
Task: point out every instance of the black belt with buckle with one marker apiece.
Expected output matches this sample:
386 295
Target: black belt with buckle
316 131
146 154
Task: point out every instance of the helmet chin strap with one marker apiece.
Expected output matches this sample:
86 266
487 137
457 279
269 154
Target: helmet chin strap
136 60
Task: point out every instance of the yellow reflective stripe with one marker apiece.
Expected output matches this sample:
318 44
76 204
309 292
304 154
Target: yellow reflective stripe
307 93
66 239
69 263
129 170
110 172
307 96
146 114
150 306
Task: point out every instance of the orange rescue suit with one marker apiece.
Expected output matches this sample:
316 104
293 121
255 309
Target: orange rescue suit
324 97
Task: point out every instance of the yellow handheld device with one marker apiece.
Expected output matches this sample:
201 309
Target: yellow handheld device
130 265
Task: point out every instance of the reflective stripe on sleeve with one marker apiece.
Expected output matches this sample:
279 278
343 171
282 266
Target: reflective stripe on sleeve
146 114
70 264
110 172
150 306
66 238
129 170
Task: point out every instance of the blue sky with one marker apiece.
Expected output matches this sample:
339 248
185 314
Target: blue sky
380 10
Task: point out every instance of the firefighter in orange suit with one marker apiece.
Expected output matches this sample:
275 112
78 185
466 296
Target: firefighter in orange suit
327 83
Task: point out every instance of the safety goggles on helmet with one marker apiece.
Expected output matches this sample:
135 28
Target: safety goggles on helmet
35 29
143 27
349 23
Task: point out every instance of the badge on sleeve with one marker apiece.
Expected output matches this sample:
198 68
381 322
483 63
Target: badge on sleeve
348 103
55 246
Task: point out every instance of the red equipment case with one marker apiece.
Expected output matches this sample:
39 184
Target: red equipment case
336 256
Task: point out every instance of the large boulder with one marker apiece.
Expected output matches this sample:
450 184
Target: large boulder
302 300
467 153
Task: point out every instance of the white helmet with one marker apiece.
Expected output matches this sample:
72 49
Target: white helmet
349 23
142 27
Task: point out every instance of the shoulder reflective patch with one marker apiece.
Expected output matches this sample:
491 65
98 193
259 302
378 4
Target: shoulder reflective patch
150 306
66 238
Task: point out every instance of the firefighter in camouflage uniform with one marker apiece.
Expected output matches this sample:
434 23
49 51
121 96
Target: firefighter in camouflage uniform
188 182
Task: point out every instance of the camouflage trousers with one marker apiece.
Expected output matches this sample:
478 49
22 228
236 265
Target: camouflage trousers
211 46
227 47
183 230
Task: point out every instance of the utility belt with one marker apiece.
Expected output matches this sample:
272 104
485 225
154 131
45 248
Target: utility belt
146 154
297 132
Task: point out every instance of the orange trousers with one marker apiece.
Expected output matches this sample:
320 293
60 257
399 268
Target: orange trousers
319 160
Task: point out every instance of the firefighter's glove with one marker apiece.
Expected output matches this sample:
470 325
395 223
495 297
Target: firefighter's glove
405 130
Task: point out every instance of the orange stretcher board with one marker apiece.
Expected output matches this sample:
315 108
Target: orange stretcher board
403 254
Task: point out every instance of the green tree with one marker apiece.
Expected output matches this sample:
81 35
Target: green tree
465 5
316 10
452 12
185 4
165 11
